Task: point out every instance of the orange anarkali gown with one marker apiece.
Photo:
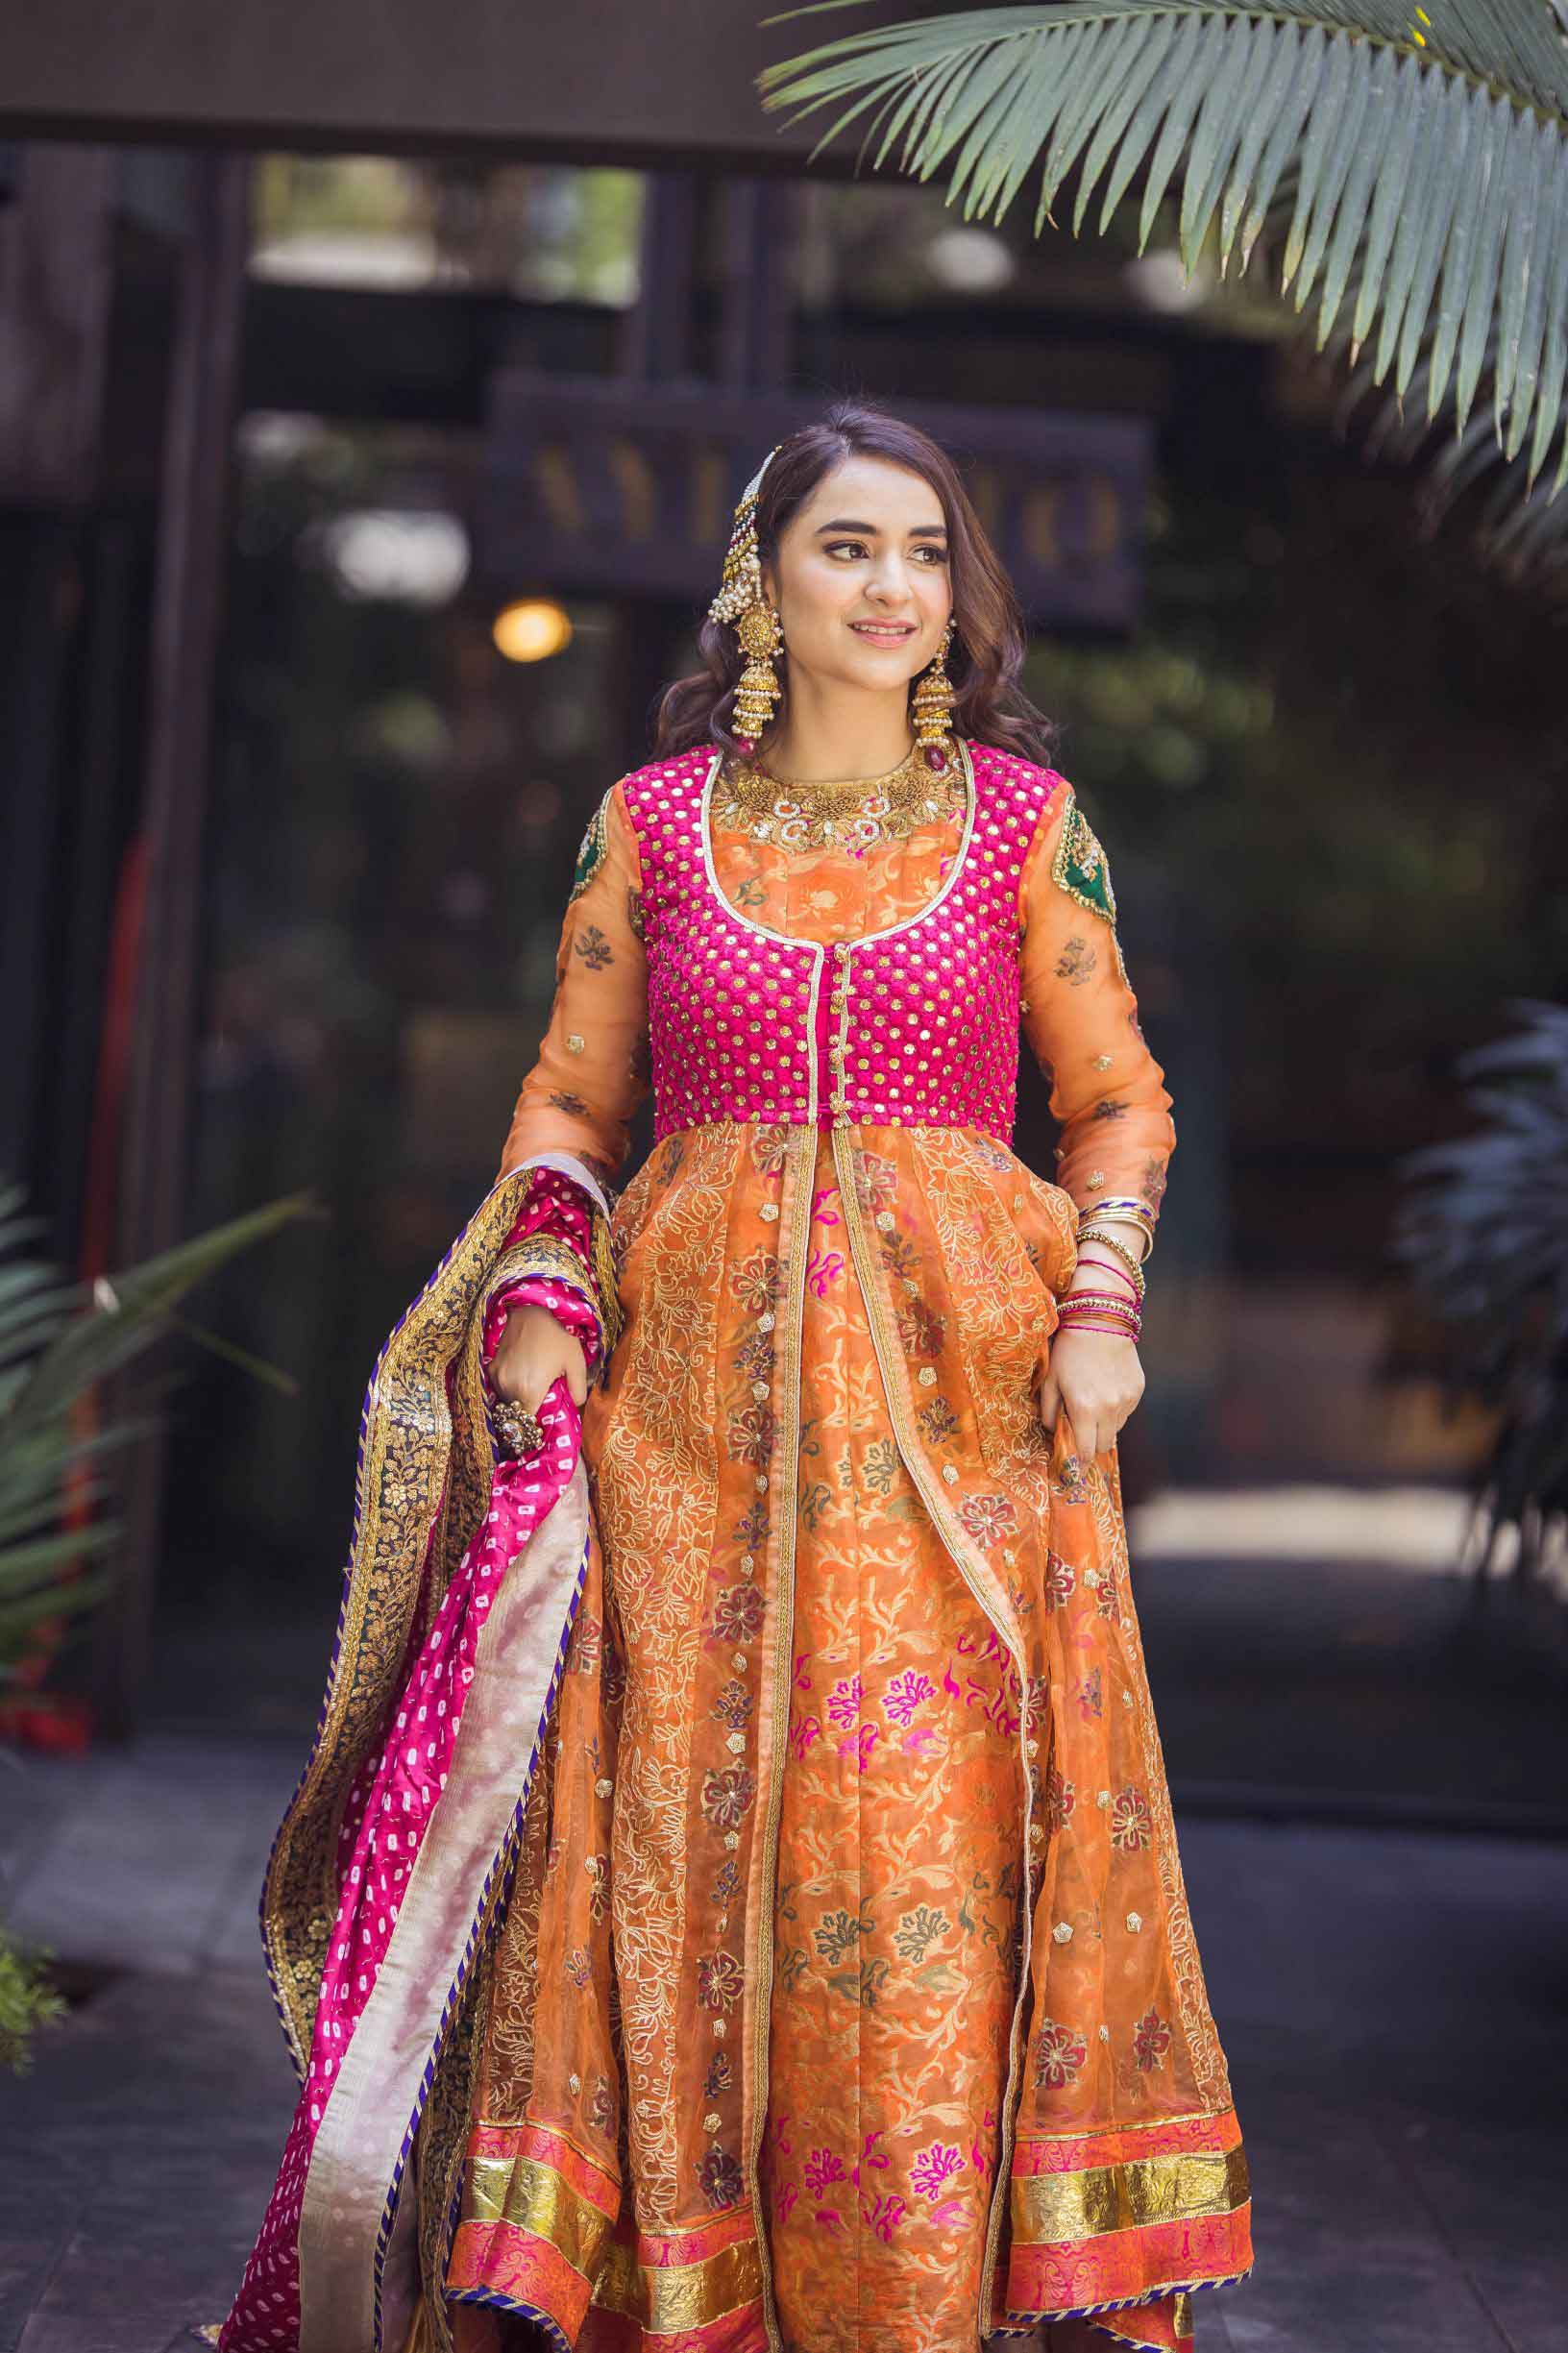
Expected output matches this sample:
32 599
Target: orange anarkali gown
760 2062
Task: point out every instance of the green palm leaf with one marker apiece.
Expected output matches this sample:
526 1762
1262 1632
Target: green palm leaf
1482 1228
1412 164
59 1341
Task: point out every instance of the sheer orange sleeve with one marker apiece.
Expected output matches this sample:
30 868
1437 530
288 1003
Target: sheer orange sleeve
1080 1020
592 1069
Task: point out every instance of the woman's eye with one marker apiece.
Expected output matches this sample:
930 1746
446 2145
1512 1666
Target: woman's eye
938 555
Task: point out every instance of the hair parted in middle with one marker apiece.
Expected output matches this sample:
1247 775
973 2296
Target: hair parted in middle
990 638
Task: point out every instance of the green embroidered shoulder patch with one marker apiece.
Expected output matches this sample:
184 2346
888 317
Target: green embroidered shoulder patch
591 854
1080 866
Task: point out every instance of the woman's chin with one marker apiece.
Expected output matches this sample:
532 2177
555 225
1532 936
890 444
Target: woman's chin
882 666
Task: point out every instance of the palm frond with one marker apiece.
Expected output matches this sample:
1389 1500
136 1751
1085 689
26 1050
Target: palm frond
1483 1228
131 1307
1415 164
59 1341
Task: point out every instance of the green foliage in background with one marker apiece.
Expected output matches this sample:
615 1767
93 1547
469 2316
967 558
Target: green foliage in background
59 1342
27 2000
1484 1230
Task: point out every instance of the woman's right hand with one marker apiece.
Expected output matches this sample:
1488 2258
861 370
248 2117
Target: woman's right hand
1098 1376
531 1352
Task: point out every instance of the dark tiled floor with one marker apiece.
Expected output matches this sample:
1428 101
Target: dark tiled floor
1391 2003
1352 1686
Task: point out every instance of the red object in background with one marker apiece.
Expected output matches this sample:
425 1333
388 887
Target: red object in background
32 1717
59 1724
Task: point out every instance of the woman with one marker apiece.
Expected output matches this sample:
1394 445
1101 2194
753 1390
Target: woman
733 1900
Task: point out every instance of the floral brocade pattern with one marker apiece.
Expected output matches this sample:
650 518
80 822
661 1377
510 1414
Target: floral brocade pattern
898 1882
858 1818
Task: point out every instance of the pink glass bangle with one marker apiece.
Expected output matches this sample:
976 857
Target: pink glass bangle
1113 1274
1092 1309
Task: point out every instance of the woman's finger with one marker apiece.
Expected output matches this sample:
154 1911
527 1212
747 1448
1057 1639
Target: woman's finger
1050 1398
1092 1426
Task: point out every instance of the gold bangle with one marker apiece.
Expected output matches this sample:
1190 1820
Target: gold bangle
1096 1233
1122 1210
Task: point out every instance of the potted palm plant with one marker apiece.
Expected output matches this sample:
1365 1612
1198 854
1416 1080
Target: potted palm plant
61 1344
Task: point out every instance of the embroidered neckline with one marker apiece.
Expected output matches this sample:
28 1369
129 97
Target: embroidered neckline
848 812
968 787
827 784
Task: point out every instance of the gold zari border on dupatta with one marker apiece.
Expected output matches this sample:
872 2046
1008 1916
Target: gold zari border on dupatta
403 1469
549 1254
601 1255
408 1470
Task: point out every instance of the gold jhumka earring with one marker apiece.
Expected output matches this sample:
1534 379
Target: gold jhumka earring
934 700
758 624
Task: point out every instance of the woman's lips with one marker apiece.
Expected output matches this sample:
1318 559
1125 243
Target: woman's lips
891 634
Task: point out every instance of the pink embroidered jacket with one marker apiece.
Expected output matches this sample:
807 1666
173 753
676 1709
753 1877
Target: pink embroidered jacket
916 1023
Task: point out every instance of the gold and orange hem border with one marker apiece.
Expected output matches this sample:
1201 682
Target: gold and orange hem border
541 2236
1128 2217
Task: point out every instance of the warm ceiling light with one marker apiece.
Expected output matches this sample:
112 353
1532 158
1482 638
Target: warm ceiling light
532 629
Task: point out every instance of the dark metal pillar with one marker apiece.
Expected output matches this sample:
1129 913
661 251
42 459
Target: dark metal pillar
191 556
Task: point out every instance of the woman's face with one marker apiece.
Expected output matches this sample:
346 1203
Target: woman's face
868 546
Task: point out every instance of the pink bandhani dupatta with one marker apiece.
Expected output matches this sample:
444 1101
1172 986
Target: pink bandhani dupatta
390 1869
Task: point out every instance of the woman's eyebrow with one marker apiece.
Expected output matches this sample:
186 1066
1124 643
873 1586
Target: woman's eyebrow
917 530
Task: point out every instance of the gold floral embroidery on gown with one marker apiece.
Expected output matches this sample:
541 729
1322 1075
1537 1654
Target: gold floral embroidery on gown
657 2154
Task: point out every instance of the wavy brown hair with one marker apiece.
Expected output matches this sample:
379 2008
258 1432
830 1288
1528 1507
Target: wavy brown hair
989 634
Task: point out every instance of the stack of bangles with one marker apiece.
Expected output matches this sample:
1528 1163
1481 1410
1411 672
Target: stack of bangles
1119 1309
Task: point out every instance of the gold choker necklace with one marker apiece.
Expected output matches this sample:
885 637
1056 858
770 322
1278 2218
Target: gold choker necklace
838 811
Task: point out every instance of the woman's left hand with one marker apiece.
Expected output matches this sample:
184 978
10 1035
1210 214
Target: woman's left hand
1097 1375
